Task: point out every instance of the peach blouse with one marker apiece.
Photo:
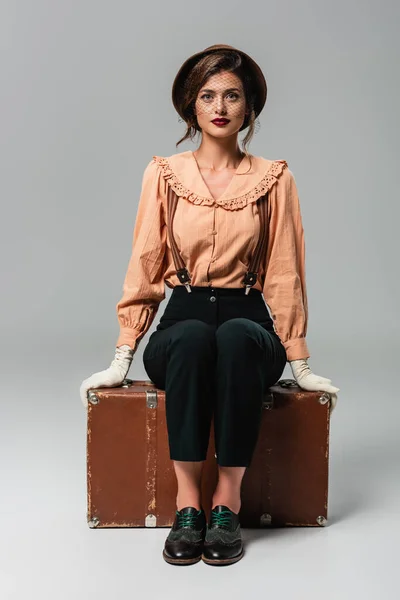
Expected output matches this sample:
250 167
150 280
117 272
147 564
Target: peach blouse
216 239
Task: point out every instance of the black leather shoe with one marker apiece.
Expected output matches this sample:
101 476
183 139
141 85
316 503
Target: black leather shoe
223 542
184 543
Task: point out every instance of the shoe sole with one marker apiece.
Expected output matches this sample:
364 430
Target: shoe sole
181 561
222 561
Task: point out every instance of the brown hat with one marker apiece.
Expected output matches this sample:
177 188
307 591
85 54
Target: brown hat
260 85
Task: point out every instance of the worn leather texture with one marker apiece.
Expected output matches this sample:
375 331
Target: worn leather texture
131 480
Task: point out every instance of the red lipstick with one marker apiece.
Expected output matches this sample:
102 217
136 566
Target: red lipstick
220 122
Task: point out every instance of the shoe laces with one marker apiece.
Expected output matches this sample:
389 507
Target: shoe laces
187 519
221 519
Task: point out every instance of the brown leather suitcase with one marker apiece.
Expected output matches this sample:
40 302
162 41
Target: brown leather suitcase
131 480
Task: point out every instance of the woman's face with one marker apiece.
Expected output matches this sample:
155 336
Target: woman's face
222 96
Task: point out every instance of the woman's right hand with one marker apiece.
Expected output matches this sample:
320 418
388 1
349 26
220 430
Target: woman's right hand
111 377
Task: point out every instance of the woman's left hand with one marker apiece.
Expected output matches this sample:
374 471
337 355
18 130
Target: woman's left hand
306 379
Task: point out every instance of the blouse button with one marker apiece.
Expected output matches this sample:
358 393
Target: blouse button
214 232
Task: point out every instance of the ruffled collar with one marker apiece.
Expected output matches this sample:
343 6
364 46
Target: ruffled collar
248 183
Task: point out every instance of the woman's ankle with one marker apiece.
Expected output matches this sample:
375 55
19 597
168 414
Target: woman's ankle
183 501
230 501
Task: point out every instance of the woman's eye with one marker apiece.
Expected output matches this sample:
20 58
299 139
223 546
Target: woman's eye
204 96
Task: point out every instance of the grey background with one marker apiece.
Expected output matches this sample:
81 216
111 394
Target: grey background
85 103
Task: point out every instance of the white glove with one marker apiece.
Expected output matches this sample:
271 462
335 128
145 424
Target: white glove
306 379
111 377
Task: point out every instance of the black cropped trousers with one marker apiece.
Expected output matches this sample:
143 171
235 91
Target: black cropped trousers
214 352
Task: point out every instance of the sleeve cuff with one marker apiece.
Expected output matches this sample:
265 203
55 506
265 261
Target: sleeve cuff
129 336
296 348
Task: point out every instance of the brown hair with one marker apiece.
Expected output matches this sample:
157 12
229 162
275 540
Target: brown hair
223 60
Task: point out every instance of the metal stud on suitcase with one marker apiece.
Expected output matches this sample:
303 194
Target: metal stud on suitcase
130 477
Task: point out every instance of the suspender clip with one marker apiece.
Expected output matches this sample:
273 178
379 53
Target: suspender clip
249 280
184 277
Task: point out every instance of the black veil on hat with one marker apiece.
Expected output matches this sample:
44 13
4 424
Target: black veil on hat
256 75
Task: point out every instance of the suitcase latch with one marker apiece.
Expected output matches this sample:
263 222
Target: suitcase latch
268 402
151 398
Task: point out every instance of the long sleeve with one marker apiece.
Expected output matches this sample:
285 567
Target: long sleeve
284 287
143 287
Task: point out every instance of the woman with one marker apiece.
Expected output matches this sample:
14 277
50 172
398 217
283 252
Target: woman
216 349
